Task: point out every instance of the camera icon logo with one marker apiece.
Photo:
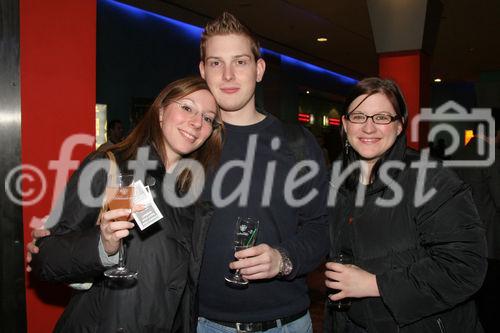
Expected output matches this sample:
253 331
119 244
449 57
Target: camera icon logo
452 112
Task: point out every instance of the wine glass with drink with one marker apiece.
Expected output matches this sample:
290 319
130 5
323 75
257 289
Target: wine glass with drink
119 195
245 234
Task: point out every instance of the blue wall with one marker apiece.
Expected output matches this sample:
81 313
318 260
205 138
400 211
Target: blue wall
138 53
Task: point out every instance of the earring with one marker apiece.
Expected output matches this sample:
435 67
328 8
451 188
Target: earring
346 147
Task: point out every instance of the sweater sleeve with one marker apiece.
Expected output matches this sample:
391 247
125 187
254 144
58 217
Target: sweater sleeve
454 266
70 253
309 246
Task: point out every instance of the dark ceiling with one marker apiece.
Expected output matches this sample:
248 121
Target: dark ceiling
468 40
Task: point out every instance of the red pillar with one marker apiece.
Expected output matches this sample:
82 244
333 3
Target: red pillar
58 51
411 71
405 35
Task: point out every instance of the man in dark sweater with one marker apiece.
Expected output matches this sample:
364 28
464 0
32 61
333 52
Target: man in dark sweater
256 179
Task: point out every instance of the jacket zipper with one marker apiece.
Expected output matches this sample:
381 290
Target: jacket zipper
441 326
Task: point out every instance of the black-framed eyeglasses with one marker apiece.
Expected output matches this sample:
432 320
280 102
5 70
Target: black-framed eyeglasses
378 118
208 119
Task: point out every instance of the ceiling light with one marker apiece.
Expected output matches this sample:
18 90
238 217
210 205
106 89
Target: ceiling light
307 91
437 80
322 39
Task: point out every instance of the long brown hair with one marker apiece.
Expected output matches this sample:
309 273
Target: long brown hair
149 131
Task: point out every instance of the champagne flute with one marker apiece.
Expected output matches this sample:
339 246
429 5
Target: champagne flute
119 194
245 234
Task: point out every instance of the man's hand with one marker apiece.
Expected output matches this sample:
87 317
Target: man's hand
31 247
351 280
258 262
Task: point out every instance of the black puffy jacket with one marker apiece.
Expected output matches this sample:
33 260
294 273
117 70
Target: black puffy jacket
428 259
167 256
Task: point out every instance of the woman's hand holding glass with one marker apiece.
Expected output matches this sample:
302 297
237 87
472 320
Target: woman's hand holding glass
115 225
351 280
119 198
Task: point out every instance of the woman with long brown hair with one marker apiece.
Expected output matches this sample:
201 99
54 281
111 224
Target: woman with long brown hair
183 122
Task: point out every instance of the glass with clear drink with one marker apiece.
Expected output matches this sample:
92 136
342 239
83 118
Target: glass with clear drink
343 304
245 234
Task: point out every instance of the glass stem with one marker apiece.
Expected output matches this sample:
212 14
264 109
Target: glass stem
121 255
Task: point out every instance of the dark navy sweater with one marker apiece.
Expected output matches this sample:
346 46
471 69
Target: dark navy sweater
301 231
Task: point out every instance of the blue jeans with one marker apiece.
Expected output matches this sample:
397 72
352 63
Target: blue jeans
301 325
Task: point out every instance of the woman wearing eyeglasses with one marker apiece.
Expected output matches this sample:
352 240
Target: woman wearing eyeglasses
183 122
417 242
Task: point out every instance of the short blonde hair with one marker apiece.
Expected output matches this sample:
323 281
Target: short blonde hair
227 24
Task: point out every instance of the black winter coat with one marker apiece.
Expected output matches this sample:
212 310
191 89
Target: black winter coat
428 260
167 256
